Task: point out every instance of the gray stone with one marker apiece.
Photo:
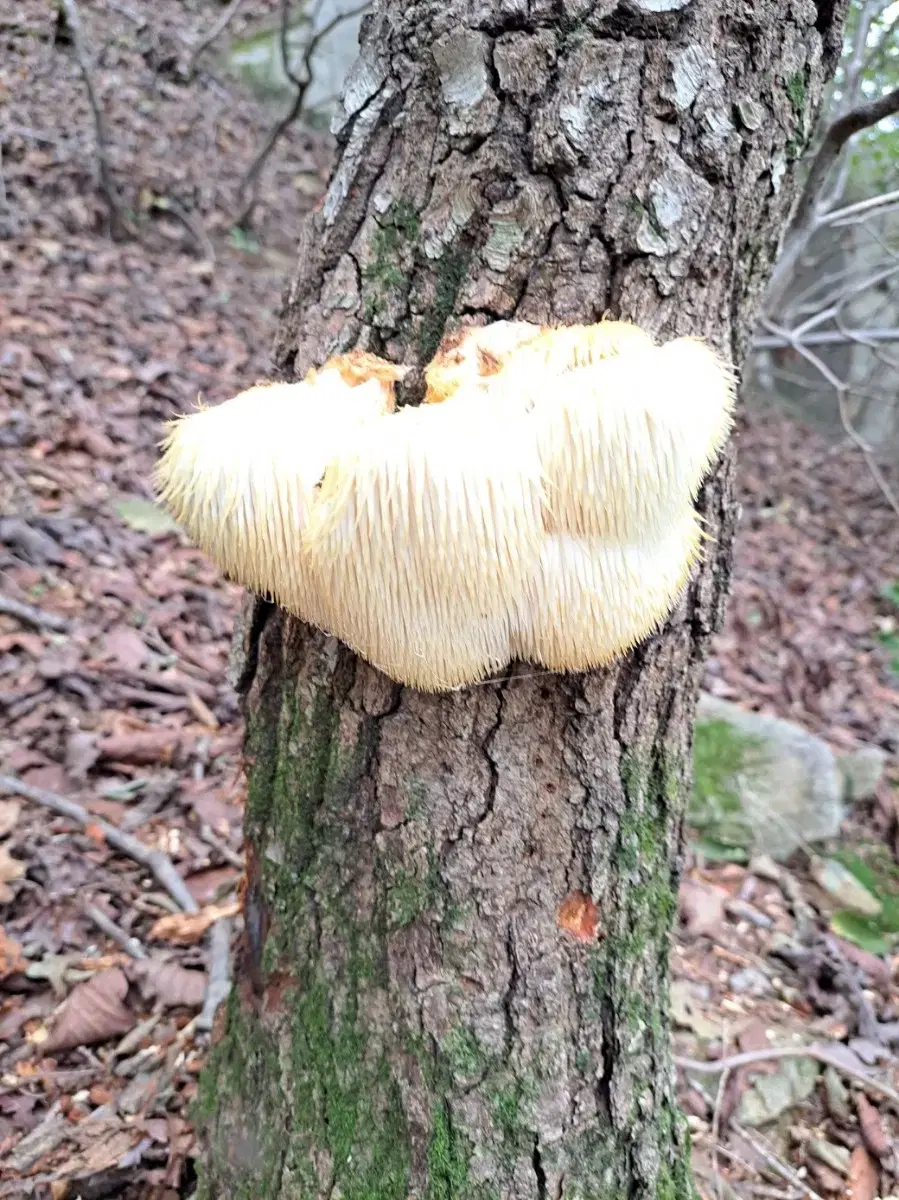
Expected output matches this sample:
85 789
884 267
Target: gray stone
761 782
862 770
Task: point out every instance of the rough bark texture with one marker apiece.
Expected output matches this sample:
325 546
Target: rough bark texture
417 1014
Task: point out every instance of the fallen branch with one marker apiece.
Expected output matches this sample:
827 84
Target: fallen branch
117 221
218 982
819 1053
130 945
250 181
157 863
33 616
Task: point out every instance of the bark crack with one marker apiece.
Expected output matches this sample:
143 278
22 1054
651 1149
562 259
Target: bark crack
539 1172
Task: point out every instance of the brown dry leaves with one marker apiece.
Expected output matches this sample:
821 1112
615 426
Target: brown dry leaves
184 929
863 1177
94 1011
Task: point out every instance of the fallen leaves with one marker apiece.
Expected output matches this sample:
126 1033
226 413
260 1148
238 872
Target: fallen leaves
172 985
94 1011
11 958
10 870
185 929
701 907
871 1127
864 1177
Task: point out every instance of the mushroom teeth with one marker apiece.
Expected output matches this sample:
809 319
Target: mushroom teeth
590 601
425 526
240 476
626 442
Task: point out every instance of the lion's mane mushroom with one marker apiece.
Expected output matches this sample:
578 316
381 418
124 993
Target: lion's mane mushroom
516 350
421 535
626 442
539 506
241 476
590 600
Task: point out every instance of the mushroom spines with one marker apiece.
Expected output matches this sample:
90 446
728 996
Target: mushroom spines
628 439
591 600
428 524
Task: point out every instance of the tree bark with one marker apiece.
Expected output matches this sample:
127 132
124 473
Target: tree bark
458 908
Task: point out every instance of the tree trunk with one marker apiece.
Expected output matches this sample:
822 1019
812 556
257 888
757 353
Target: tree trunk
458 908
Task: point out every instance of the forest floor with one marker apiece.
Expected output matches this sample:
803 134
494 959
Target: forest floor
114 638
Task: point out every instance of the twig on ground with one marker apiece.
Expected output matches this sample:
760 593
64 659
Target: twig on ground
33 616
250 181
131 945
159 864
229 855
117 221
821 1054
764 1151
193 226
214 33
218 981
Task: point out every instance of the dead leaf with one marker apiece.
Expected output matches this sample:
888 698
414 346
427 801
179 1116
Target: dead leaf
9 816
94 1012
125 647
205 886
11 958
577 916
175 986
863 1176
701 907
184 929
873 1133
81 754
144 516
10 869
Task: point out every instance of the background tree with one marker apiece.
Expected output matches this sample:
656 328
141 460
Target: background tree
458 908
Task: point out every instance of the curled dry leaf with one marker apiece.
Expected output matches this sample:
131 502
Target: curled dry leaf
94 1011
873 1133
11 959
10 868
863 1176
701 907
173 985
9 815
184 929
577 916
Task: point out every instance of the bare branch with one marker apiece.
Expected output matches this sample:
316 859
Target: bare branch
832 337
117 221
829 1056
806 218
159 864
33 616
841 389
250 181
214 33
